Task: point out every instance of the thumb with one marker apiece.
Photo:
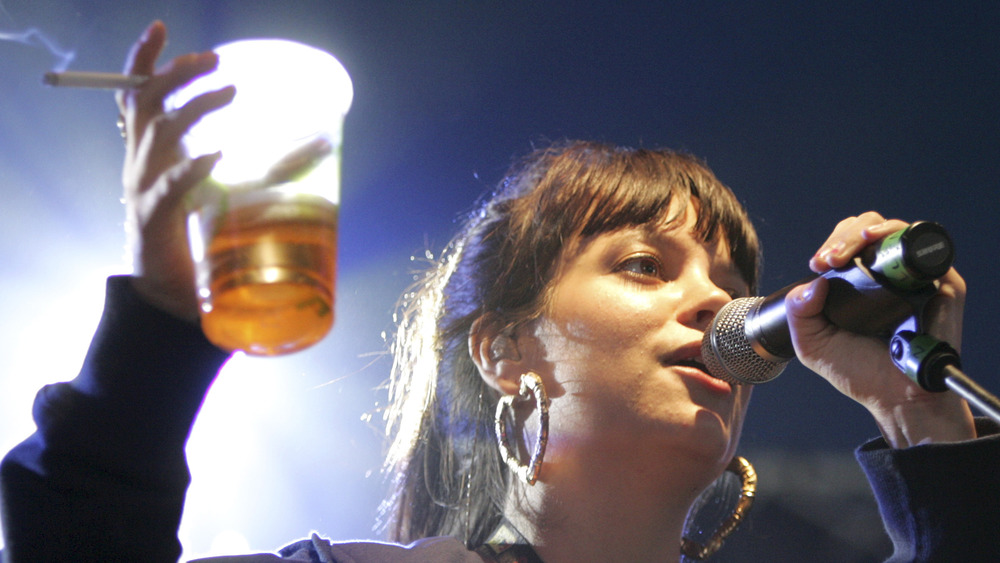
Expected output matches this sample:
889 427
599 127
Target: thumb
806 322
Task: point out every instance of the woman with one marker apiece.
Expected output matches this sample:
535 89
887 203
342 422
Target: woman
549 399
574 272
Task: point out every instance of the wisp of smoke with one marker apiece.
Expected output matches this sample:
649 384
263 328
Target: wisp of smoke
35 38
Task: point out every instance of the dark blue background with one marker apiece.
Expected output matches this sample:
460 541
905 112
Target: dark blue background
809 112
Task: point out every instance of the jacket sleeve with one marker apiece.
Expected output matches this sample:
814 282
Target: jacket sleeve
104 476
939 502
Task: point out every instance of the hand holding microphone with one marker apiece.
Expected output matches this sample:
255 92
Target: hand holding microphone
881 288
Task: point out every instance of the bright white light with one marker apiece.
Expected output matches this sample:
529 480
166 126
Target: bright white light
230 541
55 322
227 449
287 94
272 275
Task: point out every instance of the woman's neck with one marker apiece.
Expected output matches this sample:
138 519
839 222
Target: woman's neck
609 506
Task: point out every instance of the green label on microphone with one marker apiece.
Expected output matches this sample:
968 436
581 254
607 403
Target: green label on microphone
890 261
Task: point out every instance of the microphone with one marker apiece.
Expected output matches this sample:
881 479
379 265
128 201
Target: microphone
880 290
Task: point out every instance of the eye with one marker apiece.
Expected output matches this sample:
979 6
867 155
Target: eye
642 265
736 290
736 293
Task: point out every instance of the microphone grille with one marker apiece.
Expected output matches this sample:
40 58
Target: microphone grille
727 351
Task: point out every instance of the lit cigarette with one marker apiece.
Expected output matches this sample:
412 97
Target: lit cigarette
102 80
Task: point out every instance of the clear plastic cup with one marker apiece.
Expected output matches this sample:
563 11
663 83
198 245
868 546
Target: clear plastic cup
263 228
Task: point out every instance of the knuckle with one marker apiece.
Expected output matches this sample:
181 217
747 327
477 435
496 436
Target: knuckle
846 222
871 216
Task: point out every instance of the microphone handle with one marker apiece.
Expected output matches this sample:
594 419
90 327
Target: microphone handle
855 302
885 285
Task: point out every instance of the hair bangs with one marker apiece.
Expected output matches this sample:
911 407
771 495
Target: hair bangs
634 187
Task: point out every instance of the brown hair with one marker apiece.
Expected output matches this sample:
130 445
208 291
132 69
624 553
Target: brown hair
447 475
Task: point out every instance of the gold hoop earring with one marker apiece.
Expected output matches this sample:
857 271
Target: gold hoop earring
531 385
748 479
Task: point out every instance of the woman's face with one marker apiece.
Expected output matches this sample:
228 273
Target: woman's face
619 345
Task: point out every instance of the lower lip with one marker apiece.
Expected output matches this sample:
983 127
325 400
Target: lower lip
714 384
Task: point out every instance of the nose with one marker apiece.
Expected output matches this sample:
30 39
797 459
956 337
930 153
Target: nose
702 299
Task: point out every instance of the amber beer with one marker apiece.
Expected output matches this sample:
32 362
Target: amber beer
265 263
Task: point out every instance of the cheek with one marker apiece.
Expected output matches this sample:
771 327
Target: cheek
606 318
599 348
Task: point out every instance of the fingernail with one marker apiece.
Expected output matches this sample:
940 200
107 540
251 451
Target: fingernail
831 251
149 29
807 292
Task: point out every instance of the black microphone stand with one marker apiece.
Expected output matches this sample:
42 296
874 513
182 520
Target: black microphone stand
935 366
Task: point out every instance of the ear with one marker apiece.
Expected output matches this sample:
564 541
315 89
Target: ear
495 351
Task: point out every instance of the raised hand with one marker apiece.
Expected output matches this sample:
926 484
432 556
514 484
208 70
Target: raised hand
859 366
157 174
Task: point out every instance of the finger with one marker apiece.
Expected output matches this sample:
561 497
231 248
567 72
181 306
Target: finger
943 314
142 56
811 331
200 106
140 105
174 125
850 237
164 131
181 179
160 148
805 303
175 74
299 162
145 105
